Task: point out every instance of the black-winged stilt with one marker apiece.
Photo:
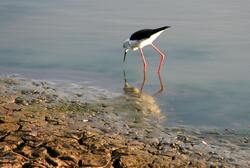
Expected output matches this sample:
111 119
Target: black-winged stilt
142 38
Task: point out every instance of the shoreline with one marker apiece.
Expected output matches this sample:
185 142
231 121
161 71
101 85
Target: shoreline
48 124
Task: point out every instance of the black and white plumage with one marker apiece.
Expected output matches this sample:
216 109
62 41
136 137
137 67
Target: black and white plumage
146 33
142 38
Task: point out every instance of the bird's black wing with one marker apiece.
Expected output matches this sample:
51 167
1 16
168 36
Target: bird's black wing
146 33
141 34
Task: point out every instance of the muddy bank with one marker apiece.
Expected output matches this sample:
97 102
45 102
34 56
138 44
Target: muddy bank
46 124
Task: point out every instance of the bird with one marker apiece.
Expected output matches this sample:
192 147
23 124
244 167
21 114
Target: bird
142 38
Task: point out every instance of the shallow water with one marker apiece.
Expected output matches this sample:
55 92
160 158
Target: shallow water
206 73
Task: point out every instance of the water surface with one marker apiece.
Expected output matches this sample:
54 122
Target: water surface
206 73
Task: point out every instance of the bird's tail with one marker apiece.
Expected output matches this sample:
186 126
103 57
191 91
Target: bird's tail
161 28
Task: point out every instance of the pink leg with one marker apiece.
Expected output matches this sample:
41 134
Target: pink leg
144 69
162 57
142 85
143 60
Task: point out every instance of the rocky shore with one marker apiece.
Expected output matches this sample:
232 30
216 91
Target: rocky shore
46 124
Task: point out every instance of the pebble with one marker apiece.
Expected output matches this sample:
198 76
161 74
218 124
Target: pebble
204 142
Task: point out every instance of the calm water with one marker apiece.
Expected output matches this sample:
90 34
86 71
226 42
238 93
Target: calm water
208 63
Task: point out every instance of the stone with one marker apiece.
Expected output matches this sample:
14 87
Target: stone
94 160
21 101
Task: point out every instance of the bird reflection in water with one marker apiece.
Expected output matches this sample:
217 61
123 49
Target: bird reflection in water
146 101
139 109
131 90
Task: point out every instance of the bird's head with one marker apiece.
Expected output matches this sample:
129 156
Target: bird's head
126 47
126 44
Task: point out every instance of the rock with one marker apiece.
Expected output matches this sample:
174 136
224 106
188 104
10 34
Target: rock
6 147
245 140
27 165
95 160
68 158
21 101
138 159
11 159
136 145
26 92
52 120
2 120
51 161
53 152
13 141
182 138
8 127
27 151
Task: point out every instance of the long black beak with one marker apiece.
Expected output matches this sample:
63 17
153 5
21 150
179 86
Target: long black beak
125 54
124 76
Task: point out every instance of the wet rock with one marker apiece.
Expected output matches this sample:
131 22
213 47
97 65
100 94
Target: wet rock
182 138
199 153
10 81
35 84
21 101
245 140
79 95
26 92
